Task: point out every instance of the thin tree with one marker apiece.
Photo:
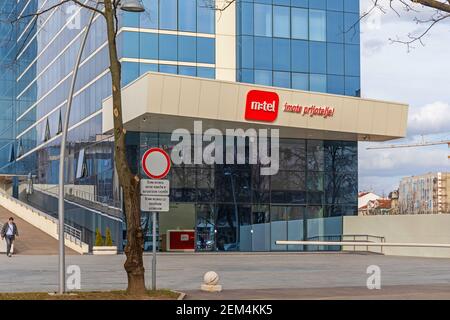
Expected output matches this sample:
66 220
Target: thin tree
129 181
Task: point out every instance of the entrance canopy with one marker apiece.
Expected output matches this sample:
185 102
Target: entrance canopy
158 102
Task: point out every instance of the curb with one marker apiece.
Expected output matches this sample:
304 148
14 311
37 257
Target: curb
181 295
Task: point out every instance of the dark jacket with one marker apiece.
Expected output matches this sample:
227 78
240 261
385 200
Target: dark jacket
5 229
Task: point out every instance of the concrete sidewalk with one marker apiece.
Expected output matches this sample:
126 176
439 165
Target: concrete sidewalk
31 240
269 271
411 292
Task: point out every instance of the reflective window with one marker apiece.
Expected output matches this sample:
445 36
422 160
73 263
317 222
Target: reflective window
203 72
263 53
281 54
317 25
187 15
336 5
335 26
168 14
168 47
148 46
205 18
318 57
318 4
299 23
335 58
352 86
318 82
165 68
263 77
246 52
299 3
150 18
281 22
263 20
300 81
352 60
130 44
282 79
246 18
351 28
336 84
299 56
206 50
187 49
351 6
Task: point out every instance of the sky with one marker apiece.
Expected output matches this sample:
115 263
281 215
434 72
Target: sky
419 77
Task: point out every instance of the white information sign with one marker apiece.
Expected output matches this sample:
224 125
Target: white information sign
154 203
151 187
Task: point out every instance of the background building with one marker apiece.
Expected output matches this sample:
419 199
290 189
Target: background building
299 44
425 194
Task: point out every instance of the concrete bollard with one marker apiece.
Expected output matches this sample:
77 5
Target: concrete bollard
210 282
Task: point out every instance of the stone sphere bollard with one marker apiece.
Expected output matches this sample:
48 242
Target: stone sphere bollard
210 282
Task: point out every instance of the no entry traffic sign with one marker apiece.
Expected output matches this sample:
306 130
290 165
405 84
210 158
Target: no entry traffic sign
156 163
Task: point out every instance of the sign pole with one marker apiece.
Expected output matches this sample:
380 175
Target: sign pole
155 192
154 251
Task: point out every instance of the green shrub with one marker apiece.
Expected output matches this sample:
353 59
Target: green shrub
98 238
108 241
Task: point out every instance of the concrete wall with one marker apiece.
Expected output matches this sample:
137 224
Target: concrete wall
405 229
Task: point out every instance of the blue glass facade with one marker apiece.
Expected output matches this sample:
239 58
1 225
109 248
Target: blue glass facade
7 87
297 44
174 36
307 45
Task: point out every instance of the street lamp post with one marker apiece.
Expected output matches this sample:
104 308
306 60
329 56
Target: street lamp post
125 5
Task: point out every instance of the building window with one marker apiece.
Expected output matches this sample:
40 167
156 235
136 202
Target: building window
263 77
205 18
263 20
187 15
168 14
299 23
281 22
317 25
206 50
168 47
187 49
263 53
300 56
318 82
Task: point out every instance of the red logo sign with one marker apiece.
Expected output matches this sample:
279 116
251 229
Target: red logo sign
262 106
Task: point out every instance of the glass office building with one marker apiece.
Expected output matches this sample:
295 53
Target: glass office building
306 45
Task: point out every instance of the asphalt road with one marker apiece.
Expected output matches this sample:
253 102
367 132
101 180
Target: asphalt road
237 271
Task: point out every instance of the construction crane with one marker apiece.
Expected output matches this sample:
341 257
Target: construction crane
412 145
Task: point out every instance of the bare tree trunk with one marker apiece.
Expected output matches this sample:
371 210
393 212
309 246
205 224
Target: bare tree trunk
134 265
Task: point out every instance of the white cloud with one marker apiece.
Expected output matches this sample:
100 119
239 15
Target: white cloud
420 78
429 119
402 161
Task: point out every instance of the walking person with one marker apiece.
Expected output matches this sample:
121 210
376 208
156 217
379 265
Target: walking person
10 232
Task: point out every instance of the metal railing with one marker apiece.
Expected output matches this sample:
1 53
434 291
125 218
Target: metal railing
366 238
71 233
82 197
360 243
353 238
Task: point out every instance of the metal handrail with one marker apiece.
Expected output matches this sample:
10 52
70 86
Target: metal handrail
354 240
83 195
70 232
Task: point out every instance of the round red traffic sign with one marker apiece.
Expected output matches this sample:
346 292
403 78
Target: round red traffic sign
156 163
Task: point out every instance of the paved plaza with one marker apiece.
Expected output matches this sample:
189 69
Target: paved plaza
265 274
